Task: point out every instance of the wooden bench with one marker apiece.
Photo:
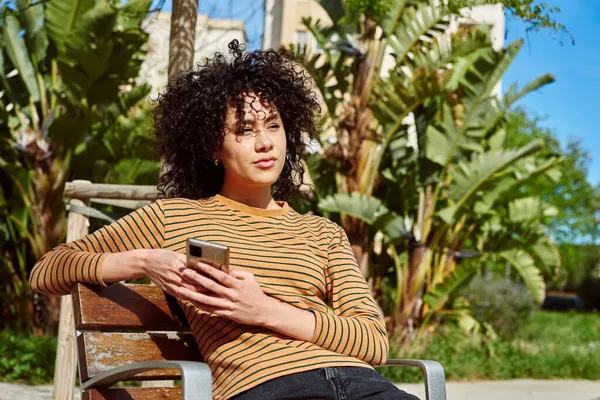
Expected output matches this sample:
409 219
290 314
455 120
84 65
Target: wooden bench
135 332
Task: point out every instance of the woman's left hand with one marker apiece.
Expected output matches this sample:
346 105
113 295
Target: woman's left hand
236 296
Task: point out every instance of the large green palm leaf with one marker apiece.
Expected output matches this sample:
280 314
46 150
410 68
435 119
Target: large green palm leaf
524 264
468 178
417 23
476 75
370 210
62 16
523 171
437 297
446 48
18 53
484 123
88 50
32 19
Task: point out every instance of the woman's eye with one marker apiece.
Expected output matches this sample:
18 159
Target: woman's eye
274 126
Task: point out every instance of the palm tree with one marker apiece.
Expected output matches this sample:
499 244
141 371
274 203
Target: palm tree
418 158
183 34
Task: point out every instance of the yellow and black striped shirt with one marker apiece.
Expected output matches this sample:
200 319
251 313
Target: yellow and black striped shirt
303 260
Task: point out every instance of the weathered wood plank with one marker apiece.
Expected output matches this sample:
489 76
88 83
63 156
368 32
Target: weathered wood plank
107 191
126 307
66 349
104 351
133 394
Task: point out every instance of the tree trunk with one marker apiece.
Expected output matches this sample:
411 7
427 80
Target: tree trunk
407 318
183 34
48 215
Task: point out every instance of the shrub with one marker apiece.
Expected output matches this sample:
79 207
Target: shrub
27 359
503 304
551 346
589 291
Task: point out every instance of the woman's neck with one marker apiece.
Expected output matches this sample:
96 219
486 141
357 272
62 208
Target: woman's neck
256 197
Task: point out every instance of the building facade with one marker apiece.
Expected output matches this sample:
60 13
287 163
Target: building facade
284 26
212 35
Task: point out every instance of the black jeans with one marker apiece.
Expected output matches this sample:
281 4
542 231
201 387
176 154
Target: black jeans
338 383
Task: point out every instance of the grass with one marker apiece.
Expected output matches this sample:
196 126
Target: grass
549 346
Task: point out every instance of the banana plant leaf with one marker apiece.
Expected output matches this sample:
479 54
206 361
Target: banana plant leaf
18 53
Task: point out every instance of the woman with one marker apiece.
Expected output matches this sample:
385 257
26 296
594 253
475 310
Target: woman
230 135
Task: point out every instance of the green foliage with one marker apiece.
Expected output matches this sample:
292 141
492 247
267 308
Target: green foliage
375 9
421 158
27 359
575 224
575 198
503 304
63 114
579 262
537 15
550 346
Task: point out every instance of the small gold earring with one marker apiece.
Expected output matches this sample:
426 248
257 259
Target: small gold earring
217 161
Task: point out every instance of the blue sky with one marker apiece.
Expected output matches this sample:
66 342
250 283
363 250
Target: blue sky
569 106
249 11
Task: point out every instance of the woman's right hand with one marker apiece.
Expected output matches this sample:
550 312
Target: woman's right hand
163 267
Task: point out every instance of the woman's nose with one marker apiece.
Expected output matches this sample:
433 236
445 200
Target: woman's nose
263 141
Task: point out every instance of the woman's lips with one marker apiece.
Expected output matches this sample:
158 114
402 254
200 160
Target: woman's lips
265 164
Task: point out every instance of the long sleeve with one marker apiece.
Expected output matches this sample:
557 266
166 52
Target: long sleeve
81 260
356 328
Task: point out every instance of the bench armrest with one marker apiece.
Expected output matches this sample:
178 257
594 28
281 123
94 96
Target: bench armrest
196 379
435 380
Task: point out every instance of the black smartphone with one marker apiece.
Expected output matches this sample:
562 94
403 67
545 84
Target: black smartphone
214 254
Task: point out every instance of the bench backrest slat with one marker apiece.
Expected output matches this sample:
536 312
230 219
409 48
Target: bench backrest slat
106 350
126 307
149 393
126 323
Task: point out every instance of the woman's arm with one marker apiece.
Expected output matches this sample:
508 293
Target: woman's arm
126 249
356 327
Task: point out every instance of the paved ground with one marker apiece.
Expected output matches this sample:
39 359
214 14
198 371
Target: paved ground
495 390
523 389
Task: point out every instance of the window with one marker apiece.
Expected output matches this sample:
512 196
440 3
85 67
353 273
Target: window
301 38
316 47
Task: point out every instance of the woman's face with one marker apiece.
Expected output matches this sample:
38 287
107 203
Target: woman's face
253 157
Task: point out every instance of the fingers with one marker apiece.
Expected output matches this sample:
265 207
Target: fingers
222 277
204 301
206 283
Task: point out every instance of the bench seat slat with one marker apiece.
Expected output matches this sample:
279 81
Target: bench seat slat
126 307
106 350
163 393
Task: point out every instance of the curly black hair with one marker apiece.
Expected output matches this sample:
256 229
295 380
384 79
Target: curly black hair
189 119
